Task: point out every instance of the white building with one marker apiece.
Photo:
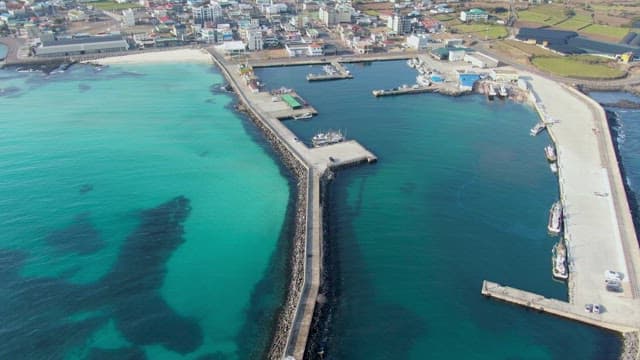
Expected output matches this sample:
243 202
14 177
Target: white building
400 24
128 18
456 54
474 15
418 42
231 48
76 15
254 39
208 13
481 60
335 15
315 50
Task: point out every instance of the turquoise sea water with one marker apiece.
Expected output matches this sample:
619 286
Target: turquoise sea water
461 193
140 216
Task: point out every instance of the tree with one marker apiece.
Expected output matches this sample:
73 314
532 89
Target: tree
569 12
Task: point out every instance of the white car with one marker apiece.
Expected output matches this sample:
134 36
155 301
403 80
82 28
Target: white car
613 276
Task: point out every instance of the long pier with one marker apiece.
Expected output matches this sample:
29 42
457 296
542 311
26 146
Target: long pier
598 229
309 166
549 305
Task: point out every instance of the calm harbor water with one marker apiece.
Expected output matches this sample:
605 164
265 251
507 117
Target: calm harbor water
461 193
129 198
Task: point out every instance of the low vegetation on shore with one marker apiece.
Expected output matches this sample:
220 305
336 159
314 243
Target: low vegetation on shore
113 6
578 66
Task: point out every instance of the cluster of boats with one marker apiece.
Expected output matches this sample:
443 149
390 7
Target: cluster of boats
559 252
501 92
327 138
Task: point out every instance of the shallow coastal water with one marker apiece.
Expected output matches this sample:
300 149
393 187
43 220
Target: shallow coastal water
461 193
140 215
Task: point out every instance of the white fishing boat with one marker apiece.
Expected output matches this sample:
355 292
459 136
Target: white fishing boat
302 116
555 218
537 128
554 167
502 91
559 261
550 153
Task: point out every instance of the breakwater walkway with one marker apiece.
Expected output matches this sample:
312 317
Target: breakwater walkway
309 166
598 228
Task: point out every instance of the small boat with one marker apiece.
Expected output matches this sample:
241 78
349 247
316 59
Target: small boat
502 92
306 115
554 167
550 153
555 218
537 128
423 80
559 261
492 92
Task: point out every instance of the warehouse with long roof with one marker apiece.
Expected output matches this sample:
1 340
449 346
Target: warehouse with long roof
82 46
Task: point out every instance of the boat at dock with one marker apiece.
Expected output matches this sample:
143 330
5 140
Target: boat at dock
327 138
559 261
554 167
423 80
550 153
537 128
302 116
555 218
492 92
502 92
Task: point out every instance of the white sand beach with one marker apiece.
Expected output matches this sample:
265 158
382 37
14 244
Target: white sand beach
169 56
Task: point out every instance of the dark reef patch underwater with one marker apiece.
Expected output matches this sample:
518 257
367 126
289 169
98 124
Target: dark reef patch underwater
43 326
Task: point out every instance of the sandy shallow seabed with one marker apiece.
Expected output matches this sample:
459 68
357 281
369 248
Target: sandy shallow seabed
170 56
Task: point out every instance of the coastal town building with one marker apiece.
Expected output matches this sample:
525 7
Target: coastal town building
82 46
400 24
456 54
233 48
474 15
254 39
418 41
128 18
332 15
208 13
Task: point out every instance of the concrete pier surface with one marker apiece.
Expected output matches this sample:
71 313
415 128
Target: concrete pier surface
297 315
599 231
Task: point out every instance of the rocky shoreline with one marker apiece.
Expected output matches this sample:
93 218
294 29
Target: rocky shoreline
296 261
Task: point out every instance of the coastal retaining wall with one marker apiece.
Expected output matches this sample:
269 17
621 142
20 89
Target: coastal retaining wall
299 169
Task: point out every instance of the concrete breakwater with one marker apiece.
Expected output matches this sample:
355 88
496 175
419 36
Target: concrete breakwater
296 261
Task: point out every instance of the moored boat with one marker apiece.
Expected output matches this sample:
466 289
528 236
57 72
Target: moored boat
537 128
306 115
502 91
555 218
550 153
559 261
554 167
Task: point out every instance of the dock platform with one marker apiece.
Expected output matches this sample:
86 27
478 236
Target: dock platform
340 74
344 154
556 307
415 89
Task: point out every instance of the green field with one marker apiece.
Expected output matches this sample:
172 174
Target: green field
489 31
606 30
577 67
113 6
